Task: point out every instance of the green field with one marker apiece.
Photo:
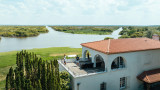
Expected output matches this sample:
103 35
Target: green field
22 31
101 30
8 59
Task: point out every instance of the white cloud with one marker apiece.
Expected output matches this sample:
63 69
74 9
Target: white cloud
79 12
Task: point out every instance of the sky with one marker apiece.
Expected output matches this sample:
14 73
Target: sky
80 12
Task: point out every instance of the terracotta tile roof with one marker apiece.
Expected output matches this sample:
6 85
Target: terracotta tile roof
113 46
150 76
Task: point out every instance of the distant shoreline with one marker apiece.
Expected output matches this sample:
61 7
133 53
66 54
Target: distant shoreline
93 30
22 31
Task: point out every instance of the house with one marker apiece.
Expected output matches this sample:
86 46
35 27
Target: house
116 64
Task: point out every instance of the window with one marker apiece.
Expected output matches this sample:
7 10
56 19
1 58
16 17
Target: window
103 86
121 64
123 82
118 63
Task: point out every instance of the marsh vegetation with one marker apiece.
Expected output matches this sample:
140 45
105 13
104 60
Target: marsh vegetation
101 30
22 31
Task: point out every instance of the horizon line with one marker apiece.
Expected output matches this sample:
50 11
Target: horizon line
71 25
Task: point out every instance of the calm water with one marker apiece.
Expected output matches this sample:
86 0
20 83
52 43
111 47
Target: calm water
51 39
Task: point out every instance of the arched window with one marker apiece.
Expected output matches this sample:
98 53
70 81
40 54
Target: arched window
99 62
118 63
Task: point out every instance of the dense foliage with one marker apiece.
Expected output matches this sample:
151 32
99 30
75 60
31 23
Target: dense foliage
32 73
139 31
8 59
21 31
86 29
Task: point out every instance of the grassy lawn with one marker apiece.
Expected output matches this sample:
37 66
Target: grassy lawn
8 59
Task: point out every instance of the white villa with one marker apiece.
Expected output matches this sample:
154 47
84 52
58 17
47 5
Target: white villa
116 64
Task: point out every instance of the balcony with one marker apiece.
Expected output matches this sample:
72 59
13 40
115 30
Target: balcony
80 67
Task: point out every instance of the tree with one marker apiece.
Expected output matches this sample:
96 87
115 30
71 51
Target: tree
7 82
131 27
36 75
39 87
18 81
149 34
11 77
158 28
124 36
106 38
44 77
64 80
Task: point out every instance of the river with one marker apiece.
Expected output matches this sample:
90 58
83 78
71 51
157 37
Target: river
51 39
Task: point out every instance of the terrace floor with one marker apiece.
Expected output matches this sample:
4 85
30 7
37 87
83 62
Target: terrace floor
73 67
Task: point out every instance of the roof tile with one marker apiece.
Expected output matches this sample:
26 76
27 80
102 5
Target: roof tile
150 76
123 45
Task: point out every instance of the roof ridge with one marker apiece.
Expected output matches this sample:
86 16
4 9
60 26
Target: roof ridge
108 46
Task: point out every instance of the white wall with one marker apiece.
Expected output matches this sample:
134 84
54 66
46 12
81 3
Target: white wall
93 54
93 82
136 63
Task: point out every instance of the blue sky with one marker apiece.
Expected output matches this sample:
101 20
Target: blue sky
80 12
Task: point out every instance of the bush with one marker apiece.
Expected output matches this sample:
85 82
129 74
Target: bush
106 38
124 36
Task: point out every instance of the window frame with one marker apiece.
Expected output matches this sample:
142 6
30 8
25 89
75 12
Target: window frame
119 62
103 86
123 82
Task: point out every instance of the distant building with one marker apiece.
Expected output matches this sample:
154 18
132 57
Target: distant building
116 64
155 37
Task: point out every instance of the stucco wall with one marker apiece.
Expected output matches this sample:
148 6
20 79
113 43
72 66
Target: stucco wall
93 82
136 63
93 54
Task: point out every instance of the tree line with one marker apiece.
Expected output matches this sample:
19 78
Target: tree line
86 29
139 31
94 28
33 73
22 31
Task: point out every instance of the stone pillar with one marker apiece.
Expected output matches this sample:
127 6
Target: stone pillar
94 65
83 53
